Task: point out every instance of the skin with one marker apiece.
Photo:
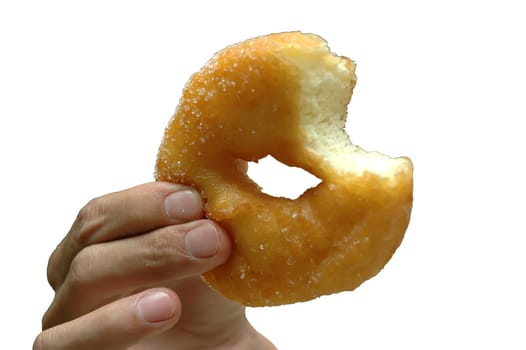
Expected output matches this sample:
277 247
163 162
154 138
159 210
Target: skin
126 276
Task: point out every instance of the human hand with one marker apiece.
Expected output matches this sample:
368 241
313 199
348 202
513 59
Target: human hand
126 276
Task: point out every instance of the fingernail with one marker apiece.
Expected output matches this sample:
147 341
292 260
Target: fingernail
155 307
183 205
202 241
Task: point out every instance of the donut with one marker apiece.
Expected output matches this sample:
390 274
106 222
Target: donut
286 95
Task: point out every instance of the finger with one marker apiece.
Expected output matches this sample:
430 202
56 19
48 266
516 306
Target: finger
103 272
121 214
117 325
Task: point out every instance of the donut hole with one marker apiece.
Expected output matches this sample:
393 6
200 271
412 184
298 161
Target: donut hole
279 180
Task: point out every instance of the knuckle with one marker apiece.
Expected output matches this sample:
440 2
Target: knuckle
51 318
38 343
47 320
44 341
53 275
164 250
89 219
80 268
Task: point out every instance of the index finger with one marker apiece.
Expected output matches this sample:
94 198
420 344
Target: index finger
122 214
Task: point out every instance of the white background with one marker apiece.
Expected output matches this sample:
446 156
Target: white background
86 89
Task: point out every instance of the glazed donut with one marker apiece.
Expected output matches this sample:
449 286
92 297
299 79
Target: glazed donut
286 95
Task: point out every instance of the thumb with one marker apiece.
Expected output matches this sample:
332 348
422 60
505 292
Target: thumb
115 326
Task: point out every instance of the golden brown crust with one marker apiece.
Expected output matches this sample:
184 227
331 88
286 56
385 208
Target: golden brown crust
243 106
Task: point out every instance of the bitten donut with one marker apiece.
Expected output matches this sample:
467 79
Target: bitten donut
286 95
